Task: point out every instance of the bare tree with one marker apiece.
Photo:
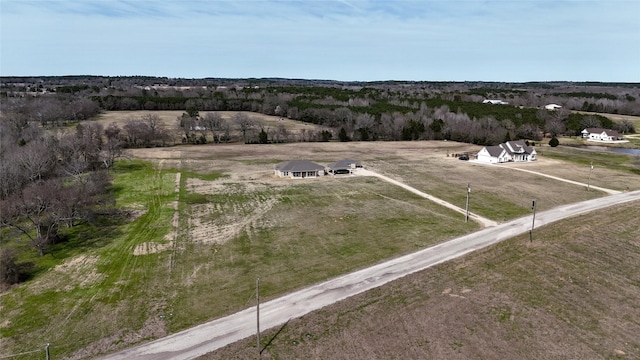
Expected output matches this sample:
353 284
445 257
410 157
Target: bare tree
214 122
244 124
31 212
364 124
590 122
113 146
37 159
625 126
281 134
554 126
188 125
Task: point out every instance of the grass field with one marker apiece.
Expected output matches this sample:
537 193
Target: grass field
169 121
635 120
571 294
208 219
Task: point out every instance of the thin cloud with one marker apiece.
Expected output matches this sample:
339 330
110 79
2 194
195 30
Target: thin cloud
343 40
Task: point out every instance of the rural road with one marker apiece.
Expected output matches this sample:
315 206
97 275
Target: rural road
210 336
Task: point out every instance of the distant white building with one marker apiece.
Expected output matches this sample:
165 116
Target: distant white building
516 151
494 102
552 107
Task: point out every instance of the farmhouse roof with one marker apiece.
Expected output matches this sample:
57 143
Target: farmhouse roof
495 151
517 147
342 164
609 132
299 165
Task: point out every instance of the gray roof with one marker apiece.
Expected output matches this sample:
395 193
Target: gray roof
342 164
299 165
495 151
609 132
518 147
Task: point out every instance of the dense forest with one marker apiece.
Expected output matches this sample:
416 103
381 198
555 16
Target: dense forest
51 180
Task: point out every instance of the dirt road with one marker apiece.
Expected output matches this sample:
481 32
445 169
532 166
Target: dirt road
205 338
608 191
484 221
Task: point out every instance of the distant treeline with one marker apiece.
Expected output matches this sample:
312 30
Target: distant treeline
360 111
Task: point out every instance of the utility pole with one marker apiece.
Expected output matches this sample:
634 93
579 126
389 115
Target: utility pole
533 220
466 219
46 351
258 315
589 180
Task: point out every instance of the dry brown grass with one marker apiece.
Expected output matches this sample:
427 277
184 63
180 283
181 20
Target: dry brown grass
635 120
318 229
498 193
571 294
168 120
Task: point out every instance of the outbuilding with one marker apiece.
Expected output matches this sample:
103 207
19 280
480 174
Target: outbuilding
345 166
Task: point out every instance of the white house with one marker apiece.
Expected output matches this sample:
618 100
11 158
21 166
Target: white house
299 169
494 102
598 134
516 151
493 155
552 107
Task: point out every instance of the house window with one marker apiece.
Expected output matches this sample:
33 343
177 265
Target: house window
297 174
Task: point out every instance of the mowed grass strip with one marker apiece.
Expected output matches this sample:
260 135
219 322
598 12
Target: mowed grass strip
92 286
572 293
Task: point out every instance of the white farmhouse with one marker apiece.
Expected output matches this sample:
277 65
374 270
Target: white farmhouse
516 151
598 134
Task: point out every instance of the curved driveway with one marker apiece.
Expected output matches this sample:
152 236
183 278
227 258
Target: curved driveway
210 336
482 220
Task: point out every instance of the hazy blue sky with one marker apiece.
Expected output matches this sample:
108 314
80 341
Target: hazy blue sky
363 40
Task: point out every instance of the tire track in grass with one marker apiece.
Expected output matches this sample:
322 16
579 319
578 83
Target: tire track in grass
126 269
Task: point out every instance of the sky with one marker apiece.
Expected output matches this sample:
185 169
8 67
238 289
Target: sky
345 40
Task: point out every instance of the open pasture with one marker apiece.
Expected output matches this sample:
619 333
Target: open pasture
571 293
209 219
169 120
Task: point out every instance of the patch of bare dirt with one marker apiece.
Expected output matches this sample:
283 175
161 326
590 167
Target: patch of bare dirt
80 271
146 248
215 224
